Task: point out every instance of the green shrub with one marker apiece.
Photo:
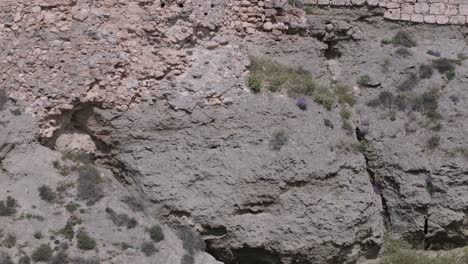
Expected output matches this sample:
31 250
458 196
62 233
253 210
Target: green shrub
84 241
148 248
443 65
42 254
427 103
405 39
328 123
3 99
364 80
279 139
345 114
9 241
404 52
409 83
8 207
361 146
71 207
135 204
88 182
254 83
345 95
450 75
46 193
68 231
121 219
77 156
425 71
156 233
81 260
24 260
37 235
433 142
275 77
402 253
325 97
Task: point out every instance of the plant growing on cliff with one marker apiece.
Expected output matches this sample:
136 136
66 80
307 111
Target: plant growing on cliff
46 193
42 254
3 99
84 241
402 253
254 83
364 80
24 260
156 233
404 38
443 65
433 142
88 184
276 77
8 207
279 139
148 248
425 71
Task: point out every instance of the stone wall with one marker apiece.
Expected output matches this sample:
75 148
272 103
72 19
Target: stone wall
421 11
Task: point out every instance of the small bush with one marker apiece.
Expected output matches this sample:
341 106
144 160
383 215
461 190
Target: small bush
403 52
328 123
433 142
121 219
345 114
38 235
46 193
301 102
386 41
325 97
84 241
275 77
434 53
3 99
187 259
42 254
402 253
68 231
8 207
405 39
77 156
5 258
60 258
409 83
427 103
425 71
86 261
88 182
156 233
10 241
134 204
443 65
148 248
450 75
24 260
345 95
72 207
364 80
279 139
254 83
361 146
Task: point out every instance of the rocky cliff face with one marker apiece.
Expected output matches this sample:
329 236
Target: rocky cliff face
124 121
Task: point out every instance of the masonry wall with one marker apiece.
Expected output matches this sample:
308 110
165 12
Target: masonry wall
421 11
